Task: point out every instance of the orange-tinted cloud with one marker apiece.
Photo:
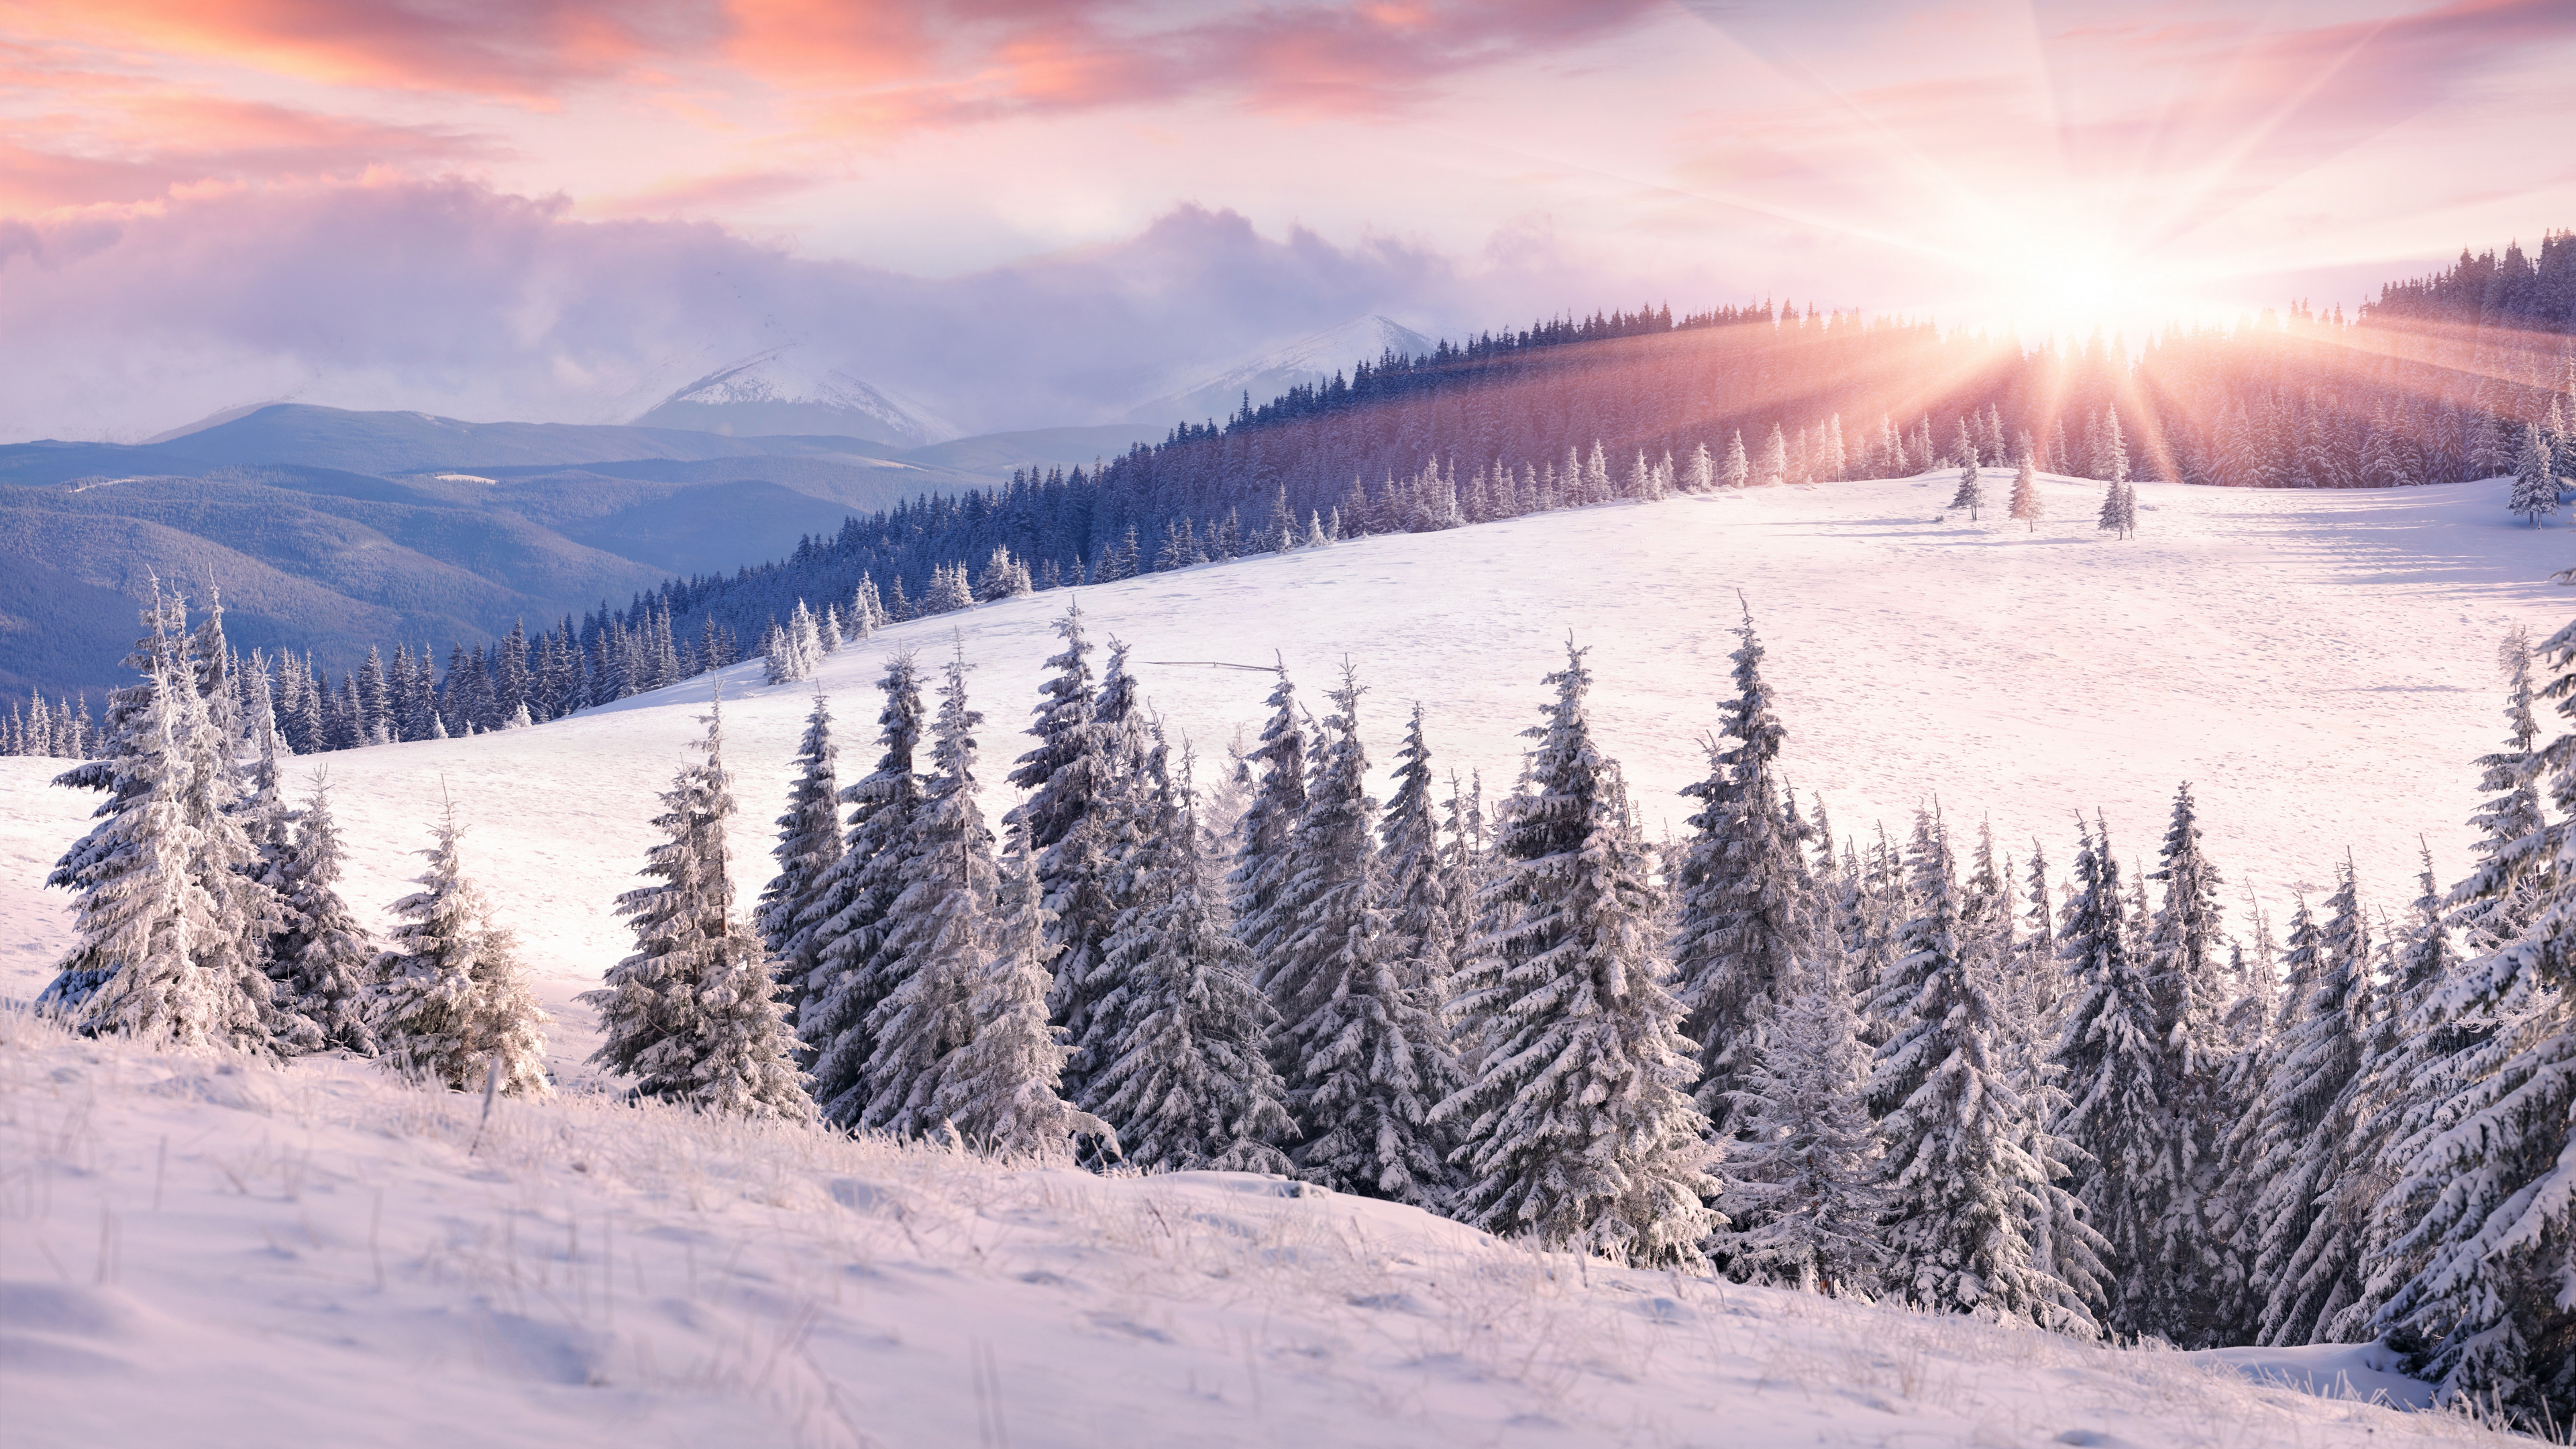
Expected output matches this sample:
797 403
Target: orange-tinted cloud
124 143
511 48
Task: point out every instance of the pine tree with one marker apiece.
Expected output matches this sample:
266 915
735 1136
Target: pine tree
1072 774
2535 481
1972 491
1964 1187
2305 1127
451 1003
172 920
2493 1159
942 931
1360 1051
1802 1193
1738 470
693 1014
321 958
1262 862
1185 1077
857 963
1578 1129
2499 898
1002 1089
797 904
1745 907
2026 504
2124 1095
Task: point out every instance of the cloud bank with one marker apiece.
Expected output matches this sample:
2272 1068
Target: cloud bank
450 297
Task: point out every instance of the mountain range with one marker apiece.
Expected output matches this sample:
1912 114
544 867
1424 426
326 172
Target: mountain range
328 530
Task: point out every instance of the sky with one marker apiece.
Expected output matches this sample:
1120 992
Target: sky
1023 214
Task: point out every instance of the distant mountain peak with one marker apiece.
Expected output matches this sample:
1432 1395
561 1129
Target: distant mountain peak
789 390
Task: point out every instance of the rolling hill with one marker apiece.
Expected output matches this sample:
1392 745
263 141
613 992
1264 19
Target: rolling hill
2318 663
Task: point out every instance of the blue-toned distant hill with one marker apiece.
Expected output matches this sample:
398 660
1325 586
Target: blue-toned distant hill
329 530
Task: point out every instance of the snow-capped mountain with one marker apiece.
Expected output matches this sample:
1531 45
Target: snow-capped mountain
790 390
1200 396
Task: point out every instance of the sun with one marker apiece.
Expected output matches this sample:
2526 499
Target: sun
2069 282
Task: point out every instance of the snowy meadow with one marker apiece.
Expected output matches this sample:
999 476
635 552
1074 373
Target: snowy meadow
211 1251
1940 696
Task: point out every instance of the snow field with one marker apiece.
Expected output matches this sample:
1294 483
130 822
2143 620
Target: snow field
2320 665
207 1251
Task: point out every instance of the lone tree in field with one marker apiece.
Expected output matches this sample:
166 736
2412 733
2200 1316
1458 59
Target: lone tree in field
2535 484
1972 490
2026 504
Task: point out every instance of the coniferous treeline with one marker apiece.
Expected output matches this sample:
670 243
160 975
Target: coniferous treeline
1925 1072
207 905
2470 373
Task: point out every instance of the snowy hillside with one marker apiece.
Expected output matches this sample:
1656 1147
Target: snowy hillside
211 1252
206 1253
792 390
2318 664
1199 396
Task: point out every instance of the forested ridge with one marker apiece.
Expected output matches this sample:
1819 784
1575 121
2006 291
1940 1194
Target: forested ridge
2464 374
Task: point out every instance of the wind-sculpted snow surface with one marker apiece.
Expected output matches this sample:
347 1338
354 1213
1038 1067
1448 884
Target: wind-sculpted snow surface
2318 664
203 1250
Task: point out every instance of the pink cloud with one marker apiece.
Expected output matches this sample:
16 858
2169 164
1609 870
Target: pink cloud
513 48
111 142
451 297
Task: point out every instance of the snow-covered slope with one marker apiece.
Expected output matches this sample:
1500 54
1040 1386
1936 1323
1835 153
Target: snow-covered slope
206 1253
2319 665
793 390
203 1253
1202 395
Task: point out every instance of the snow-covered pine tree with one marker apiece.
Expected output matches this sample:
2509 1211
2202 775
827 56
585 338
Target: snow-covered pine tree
1071 774
1964 1187
797 903
1002 1090
2411 1044
942 930
2308 1228
1738 469
127 763
1362 1054
2027 505
2511 879
2126 1099
2535 482
2494 1159
778 656
1972 490
693 1014
171 917
1745 906
1699 473
1263 861
1775 459
320 957
451 1003
856 964
1578 1129
1186 1077
1802 1192
2108 520
1429 881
